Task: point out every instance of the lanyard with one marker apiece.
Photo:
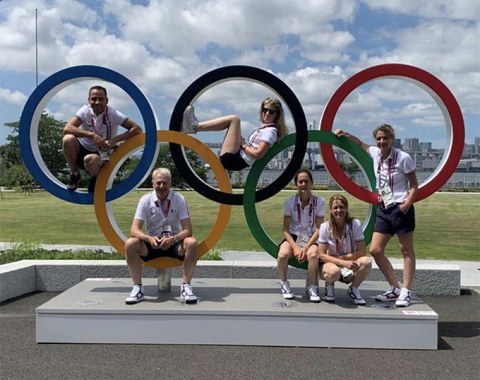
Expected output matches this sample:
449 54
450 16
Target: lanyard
392 161
105 121
165 209
339 243
312 205
339 246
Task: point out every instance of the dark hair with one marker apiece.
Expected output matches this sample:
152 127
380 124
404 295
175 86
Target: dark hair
385 128
100 88
303 170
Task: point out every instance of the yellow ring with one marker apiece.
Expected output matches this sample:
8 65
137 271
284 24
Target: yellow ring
106 220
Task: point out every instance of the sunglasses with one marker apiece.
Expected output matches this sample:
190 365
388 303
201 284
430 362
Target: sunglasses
270 111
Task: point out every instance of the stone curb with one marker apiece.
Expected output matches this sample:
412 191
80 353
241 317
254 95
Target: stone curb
26 276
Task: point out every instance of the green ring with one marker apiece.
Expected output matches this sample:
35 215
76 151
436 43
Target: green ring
265 241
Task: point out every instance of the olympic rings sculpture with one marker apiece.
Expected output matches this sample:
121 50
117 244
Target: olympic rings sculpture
105 193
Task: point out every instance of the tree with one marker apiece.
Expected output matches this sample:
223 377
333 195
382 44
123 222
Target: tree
14 173
12 168
350 168
165 160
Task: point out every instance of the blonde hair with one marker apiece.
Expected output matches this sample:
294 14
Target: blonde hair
280 120
331 222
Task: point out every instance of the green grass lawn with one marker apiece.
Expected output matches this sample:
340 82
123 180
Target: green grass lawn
447 223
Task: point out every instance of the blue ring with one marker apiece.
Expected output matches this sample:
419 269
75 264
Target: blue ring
30 118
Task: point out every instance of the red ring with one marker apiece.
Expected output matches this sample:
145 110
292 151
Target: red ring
443 97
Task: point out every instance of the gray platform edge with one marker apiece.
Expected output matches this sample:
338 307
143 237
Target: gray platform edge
26 276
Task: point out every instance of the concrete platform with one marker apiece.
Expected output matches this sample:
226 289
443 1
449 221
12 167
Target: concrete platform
248 312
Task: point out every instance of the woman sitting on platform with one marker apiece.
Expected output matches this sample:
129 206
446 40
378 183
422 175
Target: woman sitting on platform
302 216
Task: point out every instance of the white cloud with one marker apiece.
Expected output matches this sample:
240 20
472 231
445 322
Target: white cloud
447 9
12 97
312 45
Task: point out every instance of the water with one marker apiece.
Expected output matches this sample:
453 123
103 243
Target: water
321 177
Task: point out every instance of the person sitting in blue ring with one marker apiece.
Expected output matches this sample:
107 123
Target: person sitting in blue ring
90 135
236 152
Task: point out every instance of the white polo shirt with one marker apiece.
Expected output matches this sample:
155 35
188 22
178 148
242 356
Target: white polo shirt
105 125
155 214
303 220
393 170
337 247
266 133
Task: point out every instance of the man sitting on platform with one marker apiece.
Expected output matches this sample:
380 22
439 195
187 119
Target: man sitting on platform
168 233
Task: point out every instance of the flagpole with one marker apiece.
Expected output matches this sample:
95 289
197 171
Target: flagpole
36 47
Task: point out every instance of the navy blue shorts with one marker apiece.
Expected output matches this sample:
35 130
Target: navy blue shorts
394 222
81 155
155 253
233 161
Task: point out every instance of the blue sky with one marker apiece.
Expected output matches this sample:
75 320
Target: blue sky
312 45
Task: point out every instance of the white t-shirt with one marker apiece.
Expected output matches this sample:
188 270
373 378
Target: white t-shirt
266 133
302 222
155 214
337 247
393 171
105 125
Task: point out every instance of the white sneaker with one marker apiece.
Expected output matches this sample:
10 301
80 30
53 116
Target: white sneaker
404 298
355 295
190 122
186 293
137 295
329 295
313 293
286 290
347 275
390 295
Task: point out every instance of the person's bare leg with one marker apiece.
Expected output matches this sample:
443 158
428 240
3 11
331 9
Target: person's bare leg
284 253
377 250
133 249
190 246
93 163
71 148
406 247
233 135
365 266
312 256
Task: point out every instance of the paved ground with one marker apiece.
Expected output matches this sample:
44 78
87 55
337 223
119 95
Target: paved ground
458 354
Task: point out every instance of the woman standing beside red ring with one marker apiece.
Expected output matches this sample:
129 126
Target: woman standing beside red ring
397 186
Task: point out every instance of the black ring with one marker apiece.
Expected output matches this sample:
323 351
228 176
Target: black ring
257 75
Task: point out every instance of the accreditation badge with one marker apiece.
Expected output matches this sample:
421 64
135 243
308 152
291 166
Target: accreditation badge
166 230
387 196
302 241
